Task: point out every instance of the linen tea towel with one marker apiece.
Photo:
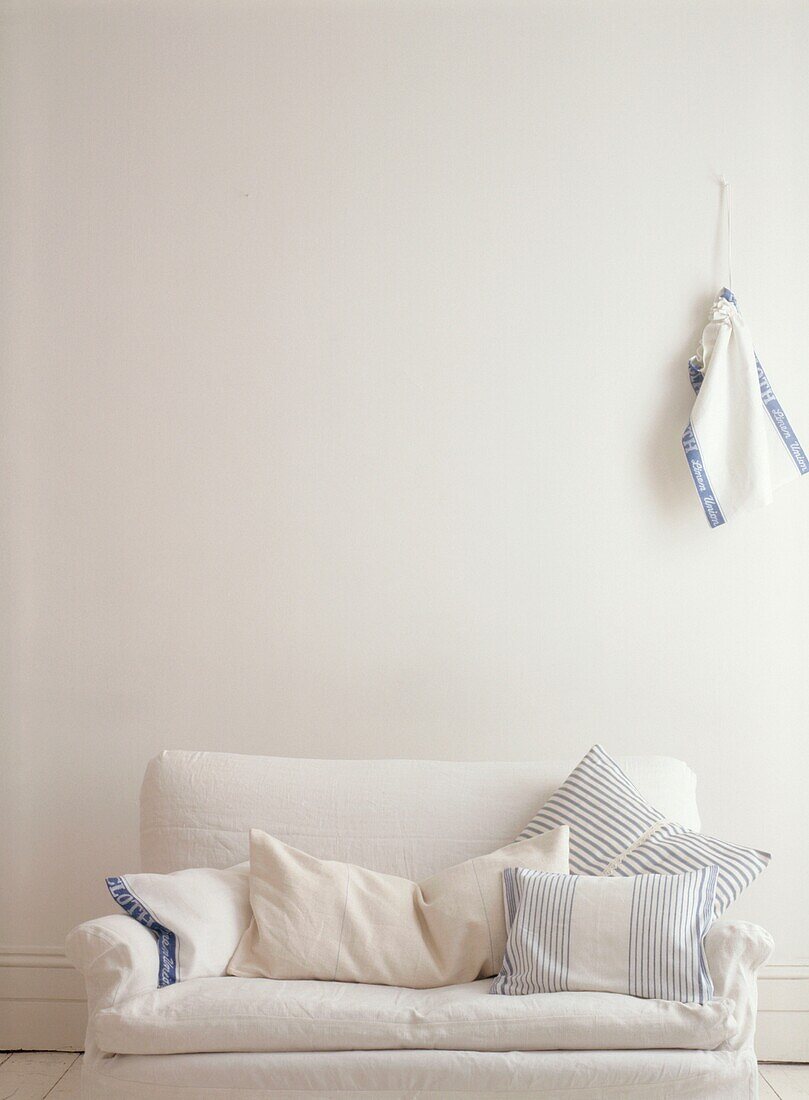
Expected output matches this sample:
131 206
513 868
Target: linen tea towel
739 444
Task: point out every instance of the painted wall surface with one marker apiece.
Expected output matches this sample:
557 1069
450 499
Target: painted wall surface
344 379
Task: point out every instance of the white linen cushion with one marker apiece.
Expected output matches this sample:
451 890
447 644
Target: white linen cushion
197 917
315 918
258 1014
615 831
641 936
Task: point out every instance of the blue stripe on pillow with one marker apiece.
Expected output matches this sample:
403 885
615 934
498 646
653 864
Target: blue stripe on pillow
670 915
608 819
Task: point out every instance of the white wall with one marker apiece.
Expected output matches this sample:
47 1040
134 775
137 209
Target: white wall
346 372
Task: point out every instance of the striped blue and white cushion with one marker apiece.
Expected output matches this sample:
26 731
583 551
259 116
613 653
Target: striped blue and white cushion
641 937
614 831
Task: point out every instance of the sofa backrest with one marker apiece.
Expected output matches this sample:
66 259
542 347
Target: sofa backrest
405 817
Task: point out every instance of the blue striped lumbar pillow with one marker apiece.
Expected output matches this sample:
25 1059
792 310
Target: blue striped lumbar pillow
641 937
614 831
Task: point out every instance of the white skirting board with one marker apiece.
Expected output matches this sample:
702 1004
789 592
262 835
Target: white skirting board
782 1029
42 1005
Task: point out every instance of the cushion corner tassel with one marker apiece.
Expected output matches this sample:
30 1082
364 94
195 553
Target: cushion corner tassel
739 443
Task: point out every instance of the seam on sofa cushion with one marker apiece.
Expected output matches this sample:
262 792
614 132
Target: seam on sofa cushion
342 920
164 1023
486 915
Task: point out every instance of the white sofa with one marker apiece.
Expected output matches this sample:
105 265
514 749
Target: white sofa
220 1037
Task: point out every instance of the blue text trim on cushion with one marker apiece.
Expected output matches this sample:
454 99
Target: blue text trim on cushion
166 939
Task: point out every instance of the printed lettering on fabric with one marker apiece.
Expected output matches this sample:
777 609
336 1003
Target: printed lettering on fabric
166 939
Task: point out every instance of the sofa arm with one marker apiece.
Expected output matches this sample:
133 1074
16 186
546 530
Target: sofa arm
735 951
118 958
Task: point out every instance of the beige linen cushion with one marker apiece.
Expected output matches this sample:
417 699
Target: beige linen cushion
316 918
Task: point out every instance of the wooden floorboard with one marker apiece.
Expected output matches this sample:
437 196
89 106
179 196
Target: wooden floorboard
765 1090
69 1086
32 1075
786 1082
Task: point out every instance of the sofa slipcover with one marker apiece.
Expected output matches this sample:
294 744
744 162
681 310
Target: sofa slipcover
408 818
425 1075
403 817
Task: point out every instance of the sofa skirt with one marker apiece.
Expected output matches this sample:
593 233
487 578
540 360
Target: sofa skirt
400 1074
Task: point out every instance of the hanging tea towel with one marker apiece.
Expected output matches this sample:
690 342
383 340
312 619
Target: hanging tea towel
738 443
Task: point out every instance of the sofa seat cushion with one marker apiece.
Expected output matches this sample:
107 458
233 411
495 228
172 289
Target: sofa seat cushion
260 1014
